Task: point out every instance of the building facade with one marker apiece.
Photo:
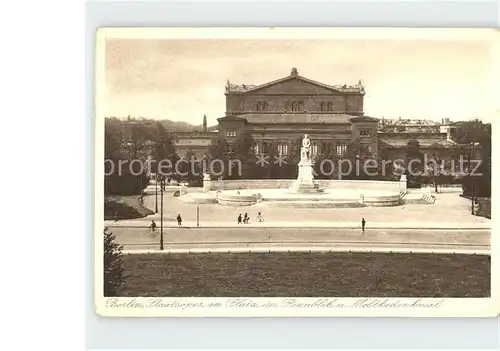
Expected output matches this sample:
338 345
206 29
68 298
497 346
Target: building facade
280 112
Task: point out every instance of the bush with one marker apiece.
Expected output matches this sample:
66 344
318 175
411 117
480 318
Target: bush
114 277
123 211
125 184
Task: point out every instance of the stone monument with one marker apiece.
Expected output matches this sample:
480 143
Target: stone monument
305 180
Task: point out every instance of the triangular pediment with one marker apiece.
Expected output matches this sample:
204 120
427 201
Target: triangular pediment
293 85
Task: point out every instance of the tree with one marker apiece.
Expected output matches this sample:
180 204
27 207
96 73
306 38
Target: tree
471 136
243 152
217 157
112 139
434 171
190 168
164 151
271 169
357 154
473 139
414 161
114 277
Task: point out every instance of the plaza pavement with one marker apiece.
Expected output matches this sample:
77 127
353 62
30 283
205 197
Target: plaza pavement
446 225
145 223
246 239
449 211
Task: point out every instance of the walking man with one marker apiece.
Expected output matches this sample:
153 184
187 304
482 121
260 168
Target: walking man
179 220
153 226
239 219
363 222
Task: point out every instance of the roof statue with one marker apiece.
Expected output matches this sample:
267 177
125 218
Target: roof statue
361 86
294 74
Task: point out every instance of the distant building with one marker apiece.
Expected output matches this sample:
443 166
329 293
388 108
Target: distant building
395 145
282 111
194 143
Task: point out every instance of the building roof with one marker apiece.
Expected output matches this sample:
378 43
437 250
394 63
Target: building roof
423 142
199 135
244 88
299 118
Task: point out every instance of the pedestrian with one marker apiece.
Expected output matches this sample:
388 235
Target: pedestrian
246 218
259 217
153 226
179 219
116 216
239 219
363 222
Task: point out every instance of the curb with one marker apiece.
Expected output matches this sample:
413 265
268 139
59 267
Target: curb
298 227
312 249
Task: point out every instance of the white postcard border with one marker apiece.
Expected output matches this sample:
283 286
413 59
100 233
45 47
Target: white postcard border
227 307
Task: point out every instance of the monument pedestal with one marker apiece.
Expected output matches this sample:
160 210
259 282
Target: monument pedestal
305 181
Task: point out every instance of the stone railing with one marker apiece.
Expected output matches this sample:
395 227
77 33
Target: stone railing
211 185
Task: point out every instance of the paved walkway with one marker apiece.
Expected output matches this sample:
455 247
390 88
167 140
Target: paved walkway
449 211
144 223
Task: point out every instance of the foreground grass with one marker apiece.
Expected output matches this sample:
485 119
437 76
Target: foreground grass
307 275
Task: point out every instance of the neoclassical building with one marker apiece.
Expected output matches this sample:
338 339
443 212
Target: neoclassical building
280 112
283 110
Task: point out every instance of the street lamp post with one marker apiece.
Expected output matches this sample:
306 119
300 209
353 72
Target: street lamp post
472 196
161 214
156 193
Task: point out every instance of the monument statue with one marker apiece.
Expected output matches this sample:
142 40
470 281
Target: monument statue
305 150
305 181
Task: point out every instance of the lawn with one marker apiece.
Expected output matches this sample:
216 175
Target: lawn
127 207
307 275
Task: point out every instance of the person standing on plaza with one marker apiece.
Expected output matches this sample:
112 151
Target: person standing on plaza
245 219
363 223
179 219
259 217
239 219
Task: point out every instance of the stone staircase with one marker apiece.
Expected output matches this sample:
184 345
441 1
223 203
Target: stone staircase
428 199
417 198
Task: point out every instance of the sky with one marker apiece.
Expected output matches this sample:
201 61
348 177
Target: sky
182 80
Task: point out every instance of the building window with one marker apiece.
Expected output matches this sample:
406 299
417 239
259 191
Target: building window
262 106
326 148
314 150
283 149
230 134
256 149
322 106
229 149
330 106
365 133
266 147
341 148
295 106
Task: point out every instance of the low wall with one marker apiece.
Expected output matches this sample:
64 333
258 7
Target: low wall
237 200
287 183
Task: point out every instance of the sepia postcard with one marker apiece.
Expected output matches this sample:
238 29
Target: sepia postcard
296 172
